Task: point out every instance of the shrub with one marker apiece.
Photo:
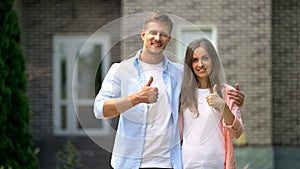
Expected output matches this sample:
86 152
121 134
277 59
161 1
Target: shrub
68 158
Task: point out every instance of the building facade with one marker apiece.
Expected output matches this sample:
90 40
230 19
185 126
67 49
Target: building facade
70 44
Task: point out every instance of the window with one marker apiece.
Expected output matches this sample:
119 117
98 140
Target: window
186 34
76 61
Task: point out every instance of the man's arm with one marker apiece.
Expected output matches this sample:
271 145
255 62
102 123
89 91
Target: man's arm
115 106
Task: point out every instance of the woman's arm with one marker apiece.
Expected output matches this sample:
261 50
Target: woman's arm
230 112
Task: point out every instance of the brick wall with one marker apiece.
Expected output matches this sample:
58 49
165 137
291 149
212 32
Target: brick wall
286 70
244 43
41 20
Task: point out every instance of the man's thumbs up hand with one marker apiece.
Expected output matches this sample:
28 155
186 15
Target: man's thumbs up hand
149 82
148 94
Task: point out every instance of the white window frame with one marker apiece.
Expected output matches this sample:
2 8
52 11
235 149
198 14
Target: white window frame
71 41
197 28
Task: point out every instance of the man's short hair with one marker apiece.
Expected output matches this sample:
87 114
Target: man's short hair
159 17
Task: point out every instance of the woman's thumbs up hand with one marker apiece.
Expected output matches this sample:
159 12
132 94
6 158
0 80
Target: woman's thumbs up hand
215 101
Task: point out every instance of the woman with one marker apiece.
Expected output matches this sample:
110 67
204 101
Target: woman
209 117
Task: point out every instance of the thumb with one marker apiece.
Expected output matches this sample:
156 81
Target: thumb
237 87
215 89
149 82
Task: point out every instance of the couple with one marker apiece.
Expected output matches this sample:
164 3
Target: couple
170 117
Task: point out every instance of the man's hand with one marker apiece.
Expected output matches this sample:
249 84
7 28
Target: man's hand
115 106
237 96
148 94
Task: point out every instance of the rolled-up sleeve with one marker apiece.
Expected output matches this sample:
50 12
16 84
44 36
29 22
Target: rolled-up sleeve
110 89
237 127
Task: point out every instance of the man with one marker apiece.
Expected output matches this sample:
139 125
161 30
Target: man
144 90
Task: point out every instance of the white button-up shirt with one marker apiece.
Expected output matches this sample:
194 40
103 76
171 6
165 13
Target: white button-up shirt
126 78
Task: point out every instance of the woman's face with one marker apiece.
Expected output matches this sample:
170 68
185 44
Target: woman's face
201 64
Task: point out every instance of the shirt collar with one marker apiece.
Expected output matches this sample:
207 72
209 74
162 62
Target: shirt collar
137 61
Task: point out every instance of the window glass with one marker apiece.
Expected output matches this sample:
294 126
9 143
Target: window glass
76 64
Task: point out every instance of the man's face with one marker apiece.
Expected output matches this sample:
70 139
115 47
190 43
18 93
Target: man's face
156 37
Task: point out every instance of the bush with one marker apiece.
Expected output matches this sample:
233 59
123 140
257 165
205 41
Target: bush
2 167
68 158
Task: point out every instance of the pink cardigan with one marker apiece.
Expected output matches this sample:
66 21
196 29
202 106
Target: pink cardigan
234 130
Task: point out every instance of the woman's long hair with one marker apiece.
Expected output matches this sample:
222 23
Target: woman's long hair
189 94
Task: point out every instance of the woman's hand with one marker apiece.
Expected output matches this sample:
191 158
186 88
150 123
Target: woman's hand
215 100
